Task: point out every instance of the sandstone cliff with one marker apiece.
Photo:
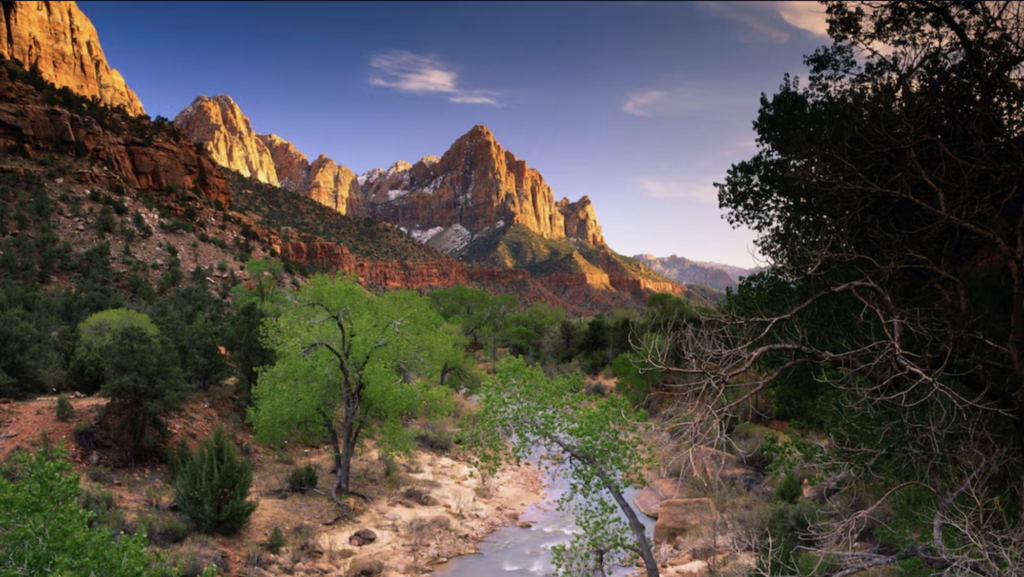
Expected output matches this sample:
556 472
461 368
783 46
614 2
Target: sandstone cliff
219 124
155 163
57 39
476 185
221 127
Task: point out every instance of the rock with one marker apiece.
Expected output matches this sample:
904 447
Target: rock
291 166
362 537
476 184
227 134
692 568
61 42
524 524
363 567
686 517
313 548
648 501
512 515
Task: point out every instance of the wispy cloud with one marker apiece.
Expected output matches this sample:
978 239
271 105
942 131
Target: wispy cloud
678 190
643 103
671 101
773 21
419 74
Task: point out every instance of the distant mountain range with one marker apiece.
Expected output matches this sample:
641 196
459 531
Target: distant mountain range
691 272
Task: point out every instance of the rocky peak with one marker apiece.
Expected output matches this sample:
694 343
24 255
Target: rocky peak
581 220
219 124
334 186
477 185
292 166
59 40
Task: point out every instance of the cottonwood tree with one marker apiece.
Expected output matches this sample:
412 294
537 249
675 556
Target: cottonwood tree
528 414
349 362
888 199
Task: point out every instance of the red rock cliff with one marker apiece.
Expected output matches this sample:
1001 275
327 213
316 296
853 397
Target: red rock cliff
219 125
58 40
476 184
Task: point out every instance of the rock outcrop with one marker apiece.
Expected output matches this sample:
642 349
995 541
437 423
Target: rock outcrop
683 270
477 185
59 40
219 125
581 221
157 164
334 186
290 165
684 518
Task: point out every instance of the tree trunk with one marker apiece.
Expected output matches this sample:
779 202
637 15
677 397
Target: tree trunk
634 522
333 434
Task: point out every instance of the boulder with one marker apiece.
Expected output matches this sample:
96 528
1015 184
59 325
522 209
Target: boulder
649 500
683 517
363 567
362 537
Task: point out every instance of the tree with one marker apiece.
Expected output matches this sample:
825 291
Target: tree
599 439
44 531
886 194
212 485
144 382
346 355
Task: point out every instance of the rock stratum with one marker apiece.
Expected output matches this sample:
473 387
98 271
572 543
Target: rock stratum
476 186
58 40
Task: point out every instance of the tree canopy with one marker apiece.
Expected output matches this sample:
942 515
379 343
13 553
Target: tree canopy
349 362
886 194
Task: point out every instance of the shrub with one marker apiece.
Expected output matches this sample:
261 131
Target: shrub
789 489
164 530
275 541
302 479
65 411
212 485
41 509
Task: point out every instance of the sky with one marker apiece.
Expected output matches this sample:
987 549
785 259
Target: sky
641 106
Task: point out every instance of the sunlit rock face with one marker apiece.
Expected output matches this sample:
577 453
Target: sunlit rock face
57 39
219 125
475 185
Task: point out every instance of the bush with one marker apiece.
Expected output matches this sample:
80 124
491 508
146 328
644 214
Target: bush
302 479
275 541
65 411
789 489
212 484
45 531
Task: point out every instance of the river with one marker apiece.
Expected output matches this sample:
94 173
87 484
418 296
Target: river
512 551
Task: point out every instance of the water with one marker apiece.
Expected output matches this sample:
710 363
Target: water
511 551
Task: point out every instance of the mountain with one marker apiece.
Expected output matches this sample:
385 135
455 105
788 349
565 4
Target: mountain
58 40
219 124
476 186
686 271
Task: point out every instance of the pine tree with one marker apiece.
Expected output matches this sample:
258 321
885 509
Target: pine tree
211 485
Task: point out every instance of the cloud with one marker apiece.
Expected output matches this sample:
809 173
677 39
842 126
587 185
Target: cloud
676 190
642 103
418 74
773 21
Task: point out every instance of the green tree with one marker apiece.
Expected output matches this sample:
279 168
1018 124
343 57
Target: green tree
212 485
346 355
144 382
886 195
520 406
44 531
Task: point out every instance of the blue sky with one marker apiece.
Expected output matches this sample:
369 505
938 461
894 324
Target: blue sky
641 106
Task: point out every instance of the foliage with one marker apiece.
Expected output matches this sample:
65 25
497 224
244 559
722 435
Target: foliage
275 541
342 350
212 485
302 479
44 531
599 438
886 197
144 382
65 411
